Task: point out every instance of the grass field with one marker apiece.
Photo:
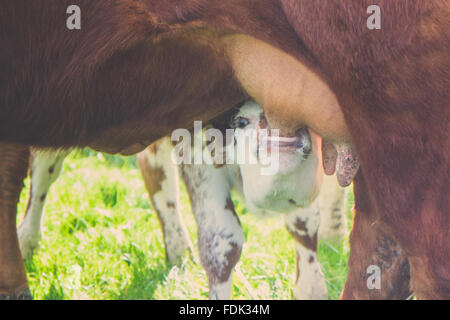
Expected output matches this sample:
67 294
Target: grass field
102 240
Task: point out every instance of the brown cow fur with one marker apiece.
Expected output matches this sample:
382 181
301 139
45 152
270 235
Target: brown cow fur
137 69
372 244
13 169
118 81
396 102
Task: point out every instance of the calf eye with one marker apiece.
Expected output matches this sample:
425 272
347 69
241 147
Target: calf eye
241 122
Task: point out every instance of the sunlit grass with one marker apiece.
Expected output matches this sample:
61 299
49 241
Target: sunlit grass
102 240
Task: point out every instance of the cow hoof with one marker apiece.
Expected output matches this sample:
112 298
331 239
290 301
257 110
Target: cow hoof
28 246
28 240
24 295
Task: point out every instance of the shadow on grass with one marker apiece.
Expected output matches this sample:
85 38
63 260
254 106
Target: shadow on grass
117 161
55 291
333 257
144 279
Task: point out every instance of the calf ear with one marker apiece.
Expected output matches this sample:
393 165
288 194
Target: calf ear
219 160
225 120
215 148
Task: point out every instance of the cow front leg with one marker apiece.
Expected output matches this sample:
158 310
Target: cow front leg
378 267
220 235
13 169
303 225
45 168
160 175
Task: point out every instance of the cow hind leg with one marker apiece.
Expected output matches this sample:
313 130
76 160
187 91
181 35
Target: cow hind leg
427 245
425 239
45 168
303 225
220 235
162 182
13 169
378 267
430 276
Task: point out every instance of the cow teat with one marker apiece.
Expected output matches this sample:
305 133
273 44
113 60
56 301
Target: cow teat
342 159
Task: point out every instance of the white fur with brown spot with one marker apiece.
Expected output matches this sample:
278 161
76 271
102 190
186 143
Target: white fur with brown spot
292 191
166 201
44 170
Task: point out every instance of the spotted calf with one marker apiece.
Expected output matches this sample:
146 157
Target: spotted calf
293 191
45 167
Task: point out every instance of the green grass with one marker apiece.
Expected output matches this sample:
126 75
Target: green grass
102 240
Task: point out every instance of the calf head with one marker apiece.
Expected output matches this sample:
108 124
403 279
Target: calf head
296 174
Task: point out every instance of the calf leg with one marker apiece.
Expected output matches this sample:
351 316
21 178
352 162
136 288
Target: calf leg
44 170
372 246
332 204
161 180
303 225
13 169
220 235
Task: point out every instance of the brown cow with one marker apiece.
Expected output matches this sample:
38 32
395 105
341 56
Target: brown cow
122 80
290 190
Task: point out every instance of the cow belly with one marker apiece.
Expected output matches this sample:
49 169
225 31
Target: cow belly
291 95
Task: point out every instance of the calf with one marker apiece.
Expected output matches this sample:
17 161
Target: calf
292 191
219 230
